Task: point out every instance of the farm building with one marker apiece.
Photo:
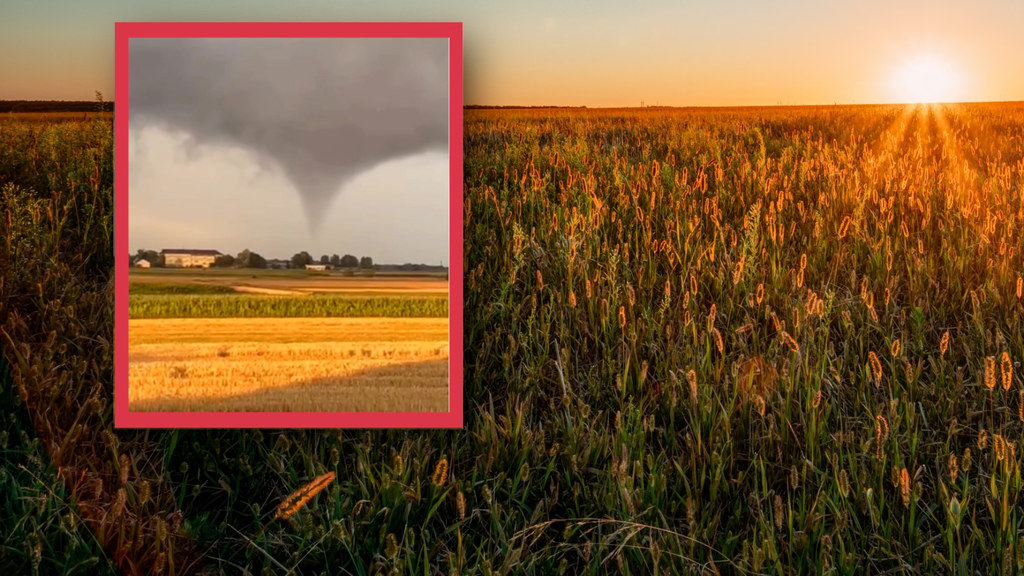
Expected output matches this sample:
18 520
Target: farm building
142 263
318 266
187 258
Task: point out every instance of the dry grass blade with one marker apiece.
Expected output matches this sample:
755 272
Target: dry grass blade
296 500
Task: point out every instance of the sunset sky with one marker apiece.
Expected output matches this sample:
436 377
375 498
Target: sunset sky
590 53
595 53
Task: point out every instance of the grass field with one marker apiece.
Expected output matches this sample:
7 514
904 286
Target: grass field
293 364
285 282
274 306
773 340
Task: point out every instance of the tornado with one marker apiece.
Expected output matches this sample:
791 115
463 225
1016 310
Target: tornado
320 110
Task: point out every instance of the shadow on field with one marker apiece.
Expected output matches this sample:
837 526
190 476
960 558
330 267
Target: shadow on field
401 387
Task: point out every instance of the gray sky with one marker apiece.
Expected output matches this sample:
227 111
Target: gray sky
281 145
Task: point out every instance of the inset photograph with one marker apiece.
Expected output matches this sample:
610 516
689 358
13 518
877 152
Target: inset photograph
285 240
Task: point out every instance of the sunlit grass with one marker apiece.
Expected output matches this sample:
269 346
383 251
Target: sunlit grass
838 412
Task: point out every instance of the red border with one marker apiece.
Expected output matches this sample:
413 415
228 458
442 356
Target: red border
122 417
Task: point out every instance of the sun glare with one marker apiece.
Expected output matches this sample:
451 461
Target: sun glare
927 79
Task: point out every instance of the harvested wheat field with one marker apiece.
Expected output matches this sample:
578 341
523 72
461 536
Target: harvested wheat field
288 365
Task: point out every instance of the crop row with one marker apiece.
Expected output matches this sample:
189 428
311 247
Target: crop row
250 306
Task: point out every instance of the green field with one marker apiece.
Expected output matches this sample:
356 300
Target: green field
153 289
218 305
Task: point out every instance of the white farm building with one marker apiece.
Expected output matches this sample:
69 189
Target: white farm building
188 258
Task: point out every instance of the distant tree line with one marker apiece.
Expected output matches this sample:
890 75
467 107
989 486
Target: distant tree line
38 106
513 107
302 259
249 259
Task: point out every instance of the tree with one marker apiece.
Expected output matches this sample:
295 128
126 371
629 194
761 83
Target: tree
366 262
349 261
152 256
224 261
335 260
325 259
301 259
247 259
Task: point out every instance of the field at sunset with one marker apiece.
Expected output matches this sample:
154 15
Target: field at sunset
763 340
794 334
503 289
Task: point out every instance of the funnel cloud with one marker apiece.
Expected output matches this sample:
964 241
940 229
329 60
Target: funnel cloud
321 110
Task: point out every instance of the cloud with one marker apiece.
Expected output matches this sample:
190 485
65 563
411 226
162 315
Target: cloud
320 110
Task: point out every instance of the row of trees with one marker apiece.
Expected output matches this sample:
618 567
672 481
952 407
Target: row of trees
245 259
249 259
303 258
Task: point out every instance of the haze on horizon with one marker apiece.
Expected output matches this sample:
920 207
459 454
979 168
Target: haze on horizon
599 53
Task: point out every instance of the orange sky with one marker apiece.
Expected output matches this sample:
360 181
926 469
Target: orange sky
594 53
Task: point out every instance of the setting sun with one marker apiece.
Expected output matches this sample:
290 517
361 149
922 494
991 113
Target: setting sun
927 79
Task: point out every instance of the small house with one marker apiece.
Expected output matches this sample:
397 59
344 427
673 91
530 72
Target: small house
143 263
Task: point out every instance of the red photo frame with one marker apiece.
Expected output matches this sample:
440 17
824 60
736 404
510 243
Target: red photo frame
123 418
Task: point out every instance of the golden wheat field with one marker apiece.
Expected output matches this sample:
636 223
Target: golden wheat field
289 364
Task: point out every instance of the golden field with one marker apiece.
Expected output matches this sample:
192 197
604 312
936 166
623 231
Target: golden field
289 364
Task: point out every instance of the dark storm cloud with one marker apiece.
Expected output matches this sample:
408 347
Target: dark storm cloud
321 109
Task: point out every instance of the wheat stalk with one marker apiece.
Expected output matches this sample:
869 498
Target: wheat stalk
296 500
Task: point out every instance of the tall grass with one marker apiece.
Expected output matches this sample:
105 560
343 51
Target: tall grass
613 422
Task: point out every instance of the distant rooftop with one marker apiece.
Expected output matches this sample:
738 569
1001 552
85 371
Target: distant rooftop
190 252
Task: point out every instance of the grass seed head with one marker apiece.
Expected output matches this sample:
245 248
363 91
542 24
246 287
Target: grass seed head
391 546
1020 405
691 378
876 367
125 464
990 372
881 434
1007 371
145 492
894 350
944 343
905 487
460 505
296 500
440 473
